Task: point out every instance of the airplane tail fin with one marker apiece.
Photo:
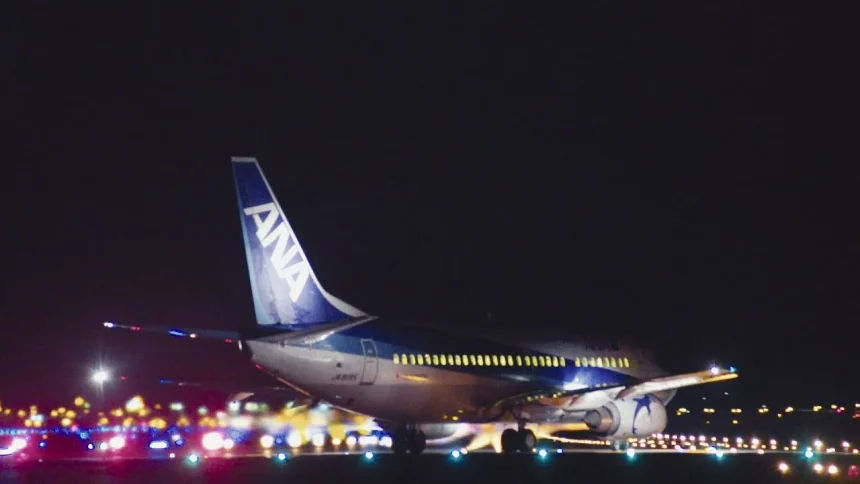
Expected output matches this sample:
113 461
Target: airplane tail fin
285 289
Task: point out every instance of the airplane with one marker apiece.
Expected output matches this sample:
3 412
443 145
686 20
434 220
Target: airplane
410 377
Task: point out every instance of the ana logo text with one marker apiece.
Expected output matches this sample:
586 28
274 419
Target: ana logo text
295 273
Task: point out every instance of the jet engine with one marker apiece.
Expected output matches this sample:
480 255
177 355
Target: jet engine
628 417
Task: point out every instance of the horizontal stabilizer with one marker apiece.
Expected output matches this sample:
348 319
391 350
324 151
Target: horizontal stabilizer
237 392
226 336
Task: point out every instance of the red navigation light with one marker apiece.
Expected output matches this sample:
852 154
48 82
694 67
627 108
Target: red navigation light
135 328
258 367
228 341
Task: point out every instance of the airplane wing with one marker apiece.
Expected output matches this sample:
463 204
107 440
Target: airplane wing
226 336
551 396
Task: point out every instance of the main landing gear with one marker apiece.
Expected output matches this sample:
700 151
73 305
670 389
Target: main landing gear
521 439
408 438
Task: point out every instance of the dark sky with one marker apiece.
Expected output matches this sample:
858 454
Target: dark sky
682 174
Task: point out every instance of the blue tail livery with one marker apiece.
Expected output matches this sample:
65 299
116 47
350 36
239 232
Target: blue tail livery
285 289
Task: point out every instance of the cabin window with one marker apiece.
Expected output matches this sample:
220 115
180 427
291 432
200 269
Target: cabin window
421 360
457 360
577 362
555 361
396 359
451 360
495 360
427 359
473 360
443 360
403 359
411 359
519 360
534 361
612 362
503 361
591 362
480 360
561 362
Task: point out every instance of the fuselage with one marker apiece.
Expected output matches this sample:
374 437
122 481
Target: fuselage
409 373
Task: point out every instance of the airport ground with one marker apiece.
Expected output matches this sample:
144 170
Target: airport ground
477 467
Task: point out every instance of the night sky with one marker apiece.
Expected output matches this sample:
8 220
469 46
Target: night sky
682 175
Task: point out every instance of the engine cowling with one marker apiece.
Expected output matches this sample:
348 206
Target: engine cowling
628 417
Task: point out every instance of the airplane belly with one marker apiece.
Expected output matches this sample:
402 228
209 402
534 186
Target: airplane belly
377 387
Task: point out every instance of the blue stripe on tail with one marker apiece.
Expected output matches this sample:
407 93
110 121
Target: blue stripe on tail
285 289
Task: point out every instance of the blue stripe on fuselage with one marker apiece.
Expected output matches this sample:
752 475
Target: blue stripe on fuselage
393 339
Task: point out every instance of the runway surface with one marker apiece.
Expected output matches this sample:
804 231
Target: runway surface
474 468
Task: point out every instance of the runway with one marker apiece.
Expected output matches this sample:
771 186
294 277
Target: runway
436 467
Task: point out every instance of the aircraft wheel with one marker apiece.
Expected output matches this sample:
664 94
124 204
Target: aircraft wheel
620 445
510 441
399 442
527 440
417 443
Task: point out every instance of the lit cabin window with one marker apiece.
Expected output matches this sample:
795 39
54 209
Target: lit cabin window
451 360
480 360
427 359
403 359
473 360
599 362
503 361
561 362
421 360
612 362
443 360
591 362
527 360
465 360
487 360
519 360
435 360
495 360
457 360
576 361
555 361
396 359
411 359
534 361
510 360
627 362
